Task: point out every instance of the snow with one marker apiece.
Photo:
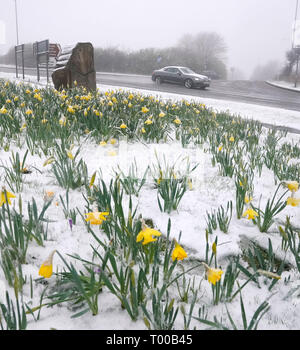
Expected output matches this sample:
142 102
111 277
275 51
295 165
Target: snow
210 190
285 85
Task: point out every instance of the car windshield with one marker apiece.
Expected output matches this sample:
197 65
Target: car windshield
187 70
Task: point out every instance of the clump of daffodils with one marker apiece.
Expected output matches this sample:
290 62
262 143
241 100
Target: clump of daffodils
250 213
293 186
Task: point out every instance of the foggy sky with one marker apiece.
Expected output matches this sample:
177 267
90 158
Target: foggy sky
255 31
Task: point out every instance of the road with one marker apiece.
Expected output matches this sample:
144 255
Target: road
254 92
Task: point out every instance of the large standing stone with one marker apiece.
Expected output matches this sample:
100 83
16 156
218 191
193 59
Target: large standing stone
75 63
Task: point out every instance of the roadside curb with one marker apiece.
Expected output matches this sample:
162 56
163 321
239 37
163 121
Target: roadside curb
282 87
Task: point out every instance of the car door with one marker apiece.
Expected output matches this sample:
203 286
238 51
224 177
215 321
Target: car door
170 75
178 76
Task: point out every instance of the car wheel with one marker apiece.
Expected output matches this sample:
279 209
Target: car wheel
188 83
158 80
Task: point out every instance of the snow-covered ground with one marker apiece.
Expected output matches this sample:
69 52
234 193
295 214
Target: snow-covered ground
285 85
264 114
210 190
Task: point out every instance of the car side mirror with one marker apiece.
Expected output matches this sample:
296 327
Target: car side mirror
178 73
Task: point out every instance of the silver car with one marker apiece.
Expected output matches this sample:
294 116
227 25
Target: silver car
180 75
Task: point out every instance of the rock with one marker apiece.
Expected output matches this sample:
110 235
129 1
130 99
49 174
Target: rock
75 63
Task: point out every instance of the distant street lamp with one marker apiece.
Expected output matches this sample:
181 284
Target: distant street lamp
17 29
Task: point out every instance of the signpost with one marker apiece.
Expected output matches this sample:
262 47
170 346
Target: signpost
19 49
41 51
44 51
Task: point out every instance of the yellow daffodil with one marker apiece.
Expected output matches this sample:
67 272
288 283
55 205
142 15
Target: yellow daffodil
161 114
294 202
113 141
145 109
103 143
213 275
9 195
248 199
70 155
71 110
129 105
96 217
3 110
231 139
293 186
220 148
44 121
23 127
8 101
37 96
28 112
46 268
49 161
146 234
123 126
178 252
177 121
250 213
63 121
148 121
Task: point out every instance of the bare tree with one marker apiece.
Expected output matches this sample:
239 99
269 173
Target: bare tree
207 48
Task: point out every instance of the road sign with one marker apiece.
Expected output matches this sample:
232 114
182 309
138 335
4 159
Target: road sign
41 47
54 50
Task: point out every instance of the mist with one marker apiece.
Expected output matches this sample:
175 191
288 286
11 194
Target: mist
255 31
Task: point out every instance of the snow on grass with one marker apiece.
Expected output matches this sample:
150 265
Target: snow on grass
210 191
